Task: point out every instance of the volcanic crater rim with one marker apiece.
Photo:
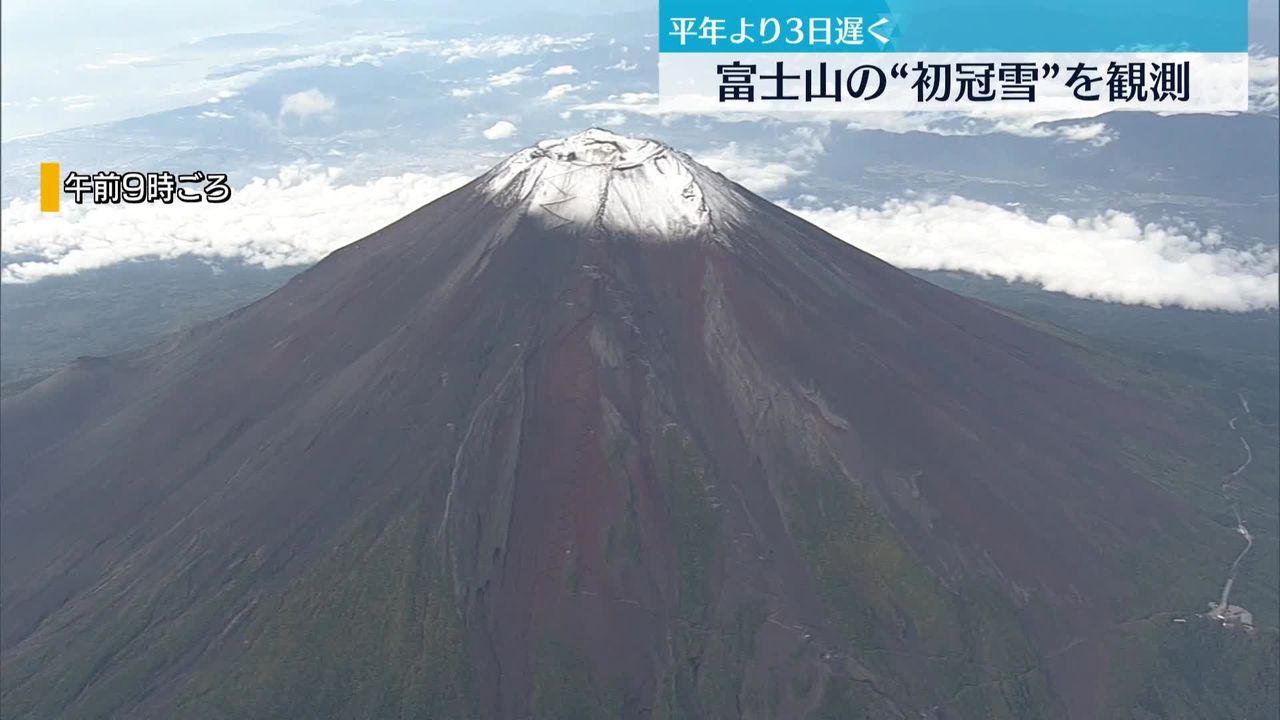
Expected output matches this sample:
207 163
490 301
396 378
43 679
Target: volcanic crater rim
597 147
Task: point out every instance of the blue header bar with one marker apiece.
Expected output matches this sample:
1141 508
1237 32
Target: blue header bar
1210 26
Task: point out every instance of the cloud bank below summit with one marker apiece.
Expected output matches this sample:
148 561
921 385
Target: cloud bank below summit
295 218
306 212
1111 256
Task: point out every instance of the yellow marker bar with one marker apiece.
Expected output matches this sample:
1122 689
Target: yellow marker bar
50 186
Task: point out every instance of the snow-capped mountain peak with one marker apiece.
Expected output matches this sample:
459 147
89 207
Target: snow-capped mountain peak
598 180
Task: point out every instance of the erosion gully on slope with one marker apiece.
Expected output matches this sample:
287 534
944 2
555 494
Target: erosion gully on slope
1222 610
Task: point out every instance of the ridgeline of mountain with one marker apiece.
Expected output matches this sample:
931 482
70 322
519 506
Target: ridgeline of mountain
602 435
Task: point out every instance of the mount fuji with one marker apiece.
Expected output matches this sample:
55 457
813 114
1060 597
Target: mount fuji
599 434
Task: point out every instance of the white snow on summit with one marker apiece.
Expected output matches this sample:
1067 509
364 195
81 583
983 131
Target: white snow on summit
599 180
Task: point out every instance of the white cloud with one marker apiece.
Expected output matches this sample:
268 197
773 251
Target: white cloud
1111 256
374 48
221 95
748 168
558 91
510 77
499 130
1047 126
640 103
622 65
118 60
295 218
1264 83
1051 127
1093 133
214 115
805 143
515 76
305 104
767 174
797 149
509 45
304 213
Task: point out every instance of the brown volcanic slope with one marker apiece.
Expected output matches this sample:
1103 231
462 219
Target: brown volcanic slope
601 434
